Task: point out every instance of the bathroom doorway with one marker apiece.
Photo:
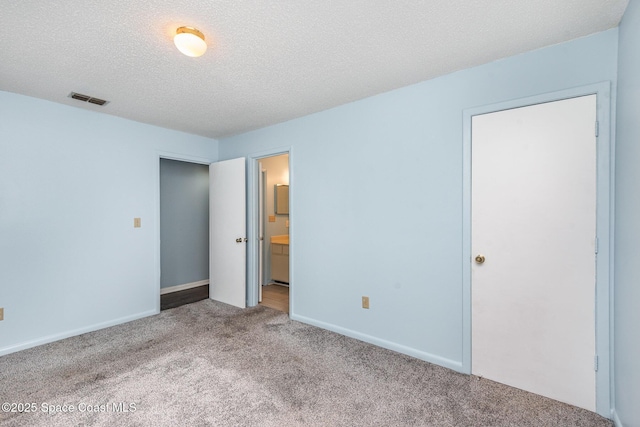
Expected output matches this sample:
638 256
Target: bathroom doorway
273 232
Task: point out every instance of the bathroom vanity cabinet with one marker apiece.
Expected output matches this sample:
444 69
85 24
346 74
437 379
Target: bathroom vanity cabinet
280 258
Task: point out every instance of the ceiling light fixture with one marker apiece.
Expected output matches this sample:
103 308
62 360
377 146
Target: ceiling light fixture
190 41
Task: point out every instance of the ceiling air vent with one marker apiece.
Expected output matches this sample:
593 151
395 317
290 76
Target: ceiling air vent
97 101
87 98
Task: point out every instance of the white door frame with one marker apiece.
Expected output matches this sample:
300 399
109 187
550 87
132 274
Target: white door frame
604 228
171 156
262 194
253 281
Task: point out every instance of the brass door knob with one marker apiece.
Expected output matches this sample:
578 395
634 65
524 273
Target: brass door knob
480 259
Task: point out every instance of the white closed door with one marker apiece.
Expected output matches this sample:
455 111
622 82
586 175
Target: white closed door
534 236
228 230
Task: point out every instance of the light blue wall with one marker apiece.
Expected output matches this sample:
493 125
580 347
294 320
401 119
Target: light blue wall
184 222
627 261
71 182
376 196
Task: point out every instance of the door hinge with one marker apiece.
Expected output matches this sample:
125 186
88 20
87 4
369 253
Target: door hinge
597 128
597 244
595 363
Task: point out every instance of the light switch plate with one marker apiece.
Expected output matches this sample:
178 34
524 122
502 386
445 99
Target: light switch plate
272 218
365 302
136 223
1 313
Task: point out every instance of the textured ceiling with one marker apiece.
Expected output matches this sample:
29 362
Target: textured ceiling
268 61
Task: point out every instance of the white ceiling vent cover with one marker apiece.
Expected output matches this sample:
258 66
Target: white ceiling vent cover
87 98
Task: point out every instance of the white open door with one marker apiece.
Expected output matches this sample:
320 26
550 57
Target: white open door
228 229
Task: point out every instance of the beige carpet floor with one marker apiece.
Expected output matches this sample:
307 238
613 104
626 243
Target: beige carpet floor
209 364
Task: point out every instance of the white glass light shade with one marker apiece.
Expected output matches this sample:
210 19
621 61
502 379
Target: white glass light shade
190 41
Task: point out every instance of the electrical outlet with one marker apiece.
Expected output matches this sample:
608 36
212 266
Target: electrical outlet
365 302
1 313
136 223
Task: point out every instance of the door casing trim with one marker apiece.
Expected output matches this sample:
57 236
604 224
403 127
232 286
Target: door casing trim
253 284
159 155
604 228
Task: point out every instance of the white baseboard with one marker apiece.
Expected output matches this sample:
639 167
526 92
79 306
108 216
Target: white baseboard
74 332
183 287
616 419
427 357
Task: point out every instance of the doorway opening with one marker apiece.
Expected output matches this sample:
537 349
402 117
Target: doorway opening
184 232
272 225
